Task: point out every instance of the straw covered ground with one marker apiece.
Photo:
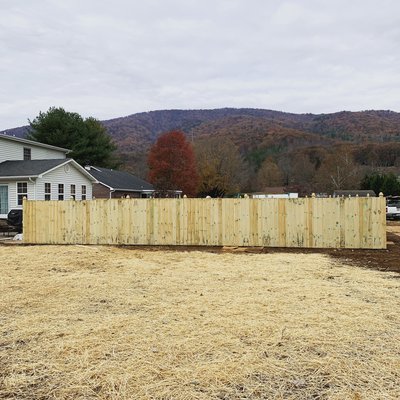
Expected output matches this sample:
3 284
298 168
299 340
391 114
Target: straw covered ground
117 323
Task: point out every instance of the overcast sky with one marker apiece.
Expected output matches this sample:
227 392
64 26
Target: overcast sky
107 59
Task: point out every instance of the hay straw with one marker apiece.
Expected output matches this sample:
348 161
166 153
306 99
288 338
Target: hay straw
117 323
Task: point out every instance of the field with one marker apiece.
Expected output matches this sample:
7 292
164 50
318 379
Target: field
122 323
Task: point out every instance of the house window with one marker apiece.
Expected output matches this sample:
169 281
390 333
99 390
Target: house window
22 191
27 153
47 191
73 192
83 192
3 199
60 191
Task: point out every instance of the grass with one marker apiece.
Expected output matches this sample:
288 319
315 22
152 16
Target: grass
117 323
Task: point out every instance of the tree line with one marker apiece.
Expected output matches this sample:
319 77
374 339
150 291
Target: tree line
215 166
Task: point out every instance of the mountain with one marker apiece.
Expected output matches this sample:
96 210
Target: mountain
18 132
137 131
373 137
374 126
262 133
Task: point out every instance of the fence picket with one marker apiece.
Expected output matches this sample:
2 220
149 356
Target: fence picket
309 222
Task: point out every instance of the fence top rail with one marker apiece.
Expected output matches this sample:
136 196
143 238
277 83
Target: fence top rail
249 199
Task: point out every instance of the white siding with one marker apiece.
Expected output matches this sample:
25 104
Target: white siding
41 153
12 193
67 176
10 150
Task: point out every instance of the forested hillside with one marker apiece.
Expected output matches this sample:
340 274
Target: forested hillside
305 152
140 130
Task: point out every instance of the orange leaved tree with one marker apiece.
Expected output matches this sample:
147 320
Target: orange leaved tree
172 164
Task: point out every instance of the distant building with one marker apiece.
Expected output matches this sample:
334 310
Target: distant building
116 184
274 192
168 194
354 193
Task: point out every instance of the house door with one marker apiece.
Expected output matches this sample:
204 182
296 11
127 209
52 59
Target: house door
3 200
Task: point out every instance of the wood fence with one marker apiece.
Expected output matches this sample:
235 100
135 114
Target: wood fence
304 222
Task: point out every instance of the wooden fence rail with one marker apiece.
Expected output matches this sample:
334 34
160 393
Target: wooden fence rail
304 222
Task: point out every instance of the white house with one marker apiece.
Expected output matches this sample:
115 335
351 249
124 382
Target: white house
38 171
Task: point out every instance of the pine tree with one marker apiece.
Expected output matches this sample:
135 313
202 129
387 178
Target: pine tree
87 138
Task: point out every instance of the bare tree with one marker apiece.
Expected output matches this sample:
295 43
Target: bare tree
220 166
338 171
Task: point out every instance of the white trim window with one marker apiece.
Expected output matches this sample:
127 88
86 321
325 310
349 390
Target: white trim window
22 191
60 191
47 191
83 188
73 192
27 153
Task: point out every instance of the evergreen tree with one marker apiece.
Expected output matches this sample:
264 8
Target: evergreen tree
87 138
388 184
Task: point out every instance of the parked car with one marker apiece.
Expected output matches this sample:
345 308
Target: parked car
393 208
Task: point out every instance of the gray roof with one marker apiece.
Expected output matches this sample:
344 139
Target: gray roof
28 168
33 143
119 180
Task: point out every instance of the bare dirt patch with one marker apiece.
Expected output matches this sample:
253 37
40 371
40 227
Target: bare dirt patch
383 260
114 323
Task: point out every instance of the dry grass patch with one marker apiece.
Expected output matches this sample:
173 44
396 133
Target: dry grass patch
114 323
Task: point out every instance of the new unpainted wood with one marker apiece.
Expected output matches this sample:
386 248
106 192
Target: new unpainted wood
306 222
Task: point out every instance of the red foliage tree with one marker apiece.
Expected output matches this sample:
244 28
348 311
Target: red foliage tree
172 164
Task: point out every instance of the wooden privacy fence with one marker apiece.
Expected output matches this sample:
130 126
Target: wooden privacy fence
304 222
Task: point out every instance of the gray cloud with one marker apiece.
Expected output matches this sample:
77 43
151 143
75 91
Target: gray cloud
109 59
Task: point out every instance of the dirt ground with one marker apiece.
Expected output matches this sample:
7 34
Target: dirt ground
382 260
93 322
